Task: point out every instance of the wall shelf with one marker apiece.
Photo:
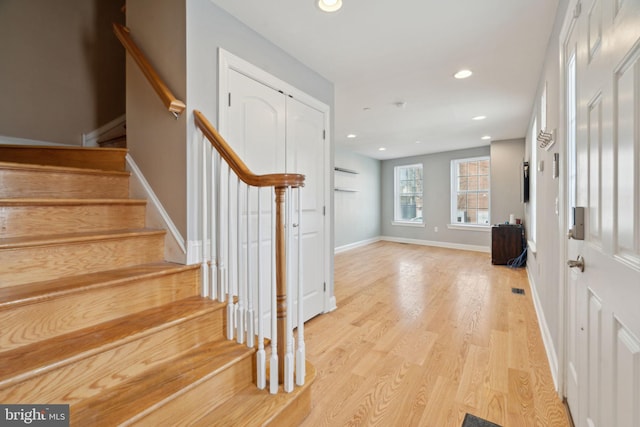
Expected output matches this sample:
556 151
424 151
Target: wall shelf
345 170
345 190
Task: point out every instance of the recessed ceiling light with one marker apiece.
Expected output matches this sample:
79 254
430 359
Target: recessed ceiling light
382 149
463 74
479 118
418 142
486 137
330 5
351 135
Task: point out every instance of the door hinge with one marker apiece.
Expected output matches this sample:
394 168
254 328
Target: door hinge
324 134
324 210
324 286
229 99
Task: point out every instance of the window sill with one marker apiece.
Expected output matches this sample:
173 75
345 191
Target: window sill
408 224
469 227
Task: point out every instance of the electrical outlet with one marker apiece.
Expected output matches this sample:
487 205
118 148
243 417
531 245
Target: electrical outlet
435 228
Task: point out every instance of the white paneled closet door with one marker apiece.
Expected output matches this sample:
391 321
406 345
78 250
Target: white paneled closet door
274 133
603 318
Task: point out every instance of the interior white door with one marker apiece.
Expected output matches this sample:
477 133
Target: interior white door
603 367
274 133
305 155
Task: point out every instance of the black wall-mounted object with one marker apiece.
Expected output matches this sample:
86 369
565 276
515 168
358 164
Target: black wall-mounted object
525 182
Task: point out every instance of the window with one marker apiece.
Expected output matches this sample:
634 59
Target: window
470 191
533 173
408 194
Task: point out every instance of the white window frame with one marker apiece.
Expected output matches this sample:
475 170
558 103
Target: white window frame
454 197
396 197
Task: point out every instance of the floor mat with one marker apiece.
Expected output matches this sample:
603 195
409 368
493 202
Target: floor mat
473 421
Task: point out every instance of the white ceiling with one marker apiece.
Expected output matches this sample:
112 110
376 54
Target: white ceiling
379 53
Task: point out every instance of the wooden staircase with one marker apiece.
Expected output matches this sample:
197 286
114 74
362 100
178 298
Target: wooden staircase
92 316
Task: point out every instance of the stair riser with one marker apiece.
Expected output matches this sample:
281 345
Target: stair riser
190 406
30 323
91 375
20 221
33 264
69 157
17 183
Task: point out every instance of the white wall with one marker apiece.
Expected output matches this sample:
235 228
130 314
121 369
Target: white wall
357 214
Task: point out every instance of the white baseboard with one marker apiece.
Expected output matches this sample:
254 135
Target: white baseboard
10 140
448 245
157 217
350 246
115 126
552 355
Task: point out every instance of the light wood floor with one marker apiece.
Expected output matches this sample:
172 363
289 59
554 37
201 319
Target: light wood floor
424 335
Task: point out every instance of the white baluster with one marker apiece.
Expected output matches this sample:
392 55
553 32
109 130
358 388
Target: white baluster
241 313
260 355
300 354
231 307
273 364
220 264
204 233
213 237
288 358
250 313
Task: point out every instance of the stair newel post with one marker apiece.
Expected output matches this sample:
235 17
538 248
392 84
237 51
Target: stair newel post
281 277
274 372
204 223
260 355
300 354
250 312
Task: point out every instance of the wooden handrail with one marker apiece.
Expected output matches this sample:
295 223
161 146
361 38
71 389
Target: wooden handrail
173 104
278 180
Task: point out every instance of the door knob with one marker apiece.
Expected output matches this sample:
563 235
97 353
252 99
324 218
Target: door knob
578 263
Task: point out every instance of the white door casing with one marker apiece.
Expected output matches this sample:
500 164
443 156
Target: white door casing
602 357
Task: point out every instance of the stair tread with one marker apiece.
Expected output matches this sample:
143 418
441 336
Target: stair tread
45 355
265 407
38 291
57 239
65 169
62 147
160 384
69 202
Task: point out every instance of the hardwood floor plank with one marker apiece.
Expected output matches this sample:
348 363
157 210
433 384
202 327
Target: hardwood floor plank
424 335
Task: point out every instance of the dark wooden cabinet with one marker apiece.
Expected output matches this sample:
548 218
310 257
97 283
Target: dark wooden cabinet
507 243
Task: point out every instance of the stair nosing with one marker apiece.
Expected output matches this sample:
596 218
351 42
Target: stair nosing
59 291
61 147
69 202
65 169
73 238
80 353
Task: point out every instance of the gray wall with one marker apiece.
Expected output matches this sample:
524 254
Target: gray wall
208 28
544 266
357 214
61 68
156 141
506 179
437 200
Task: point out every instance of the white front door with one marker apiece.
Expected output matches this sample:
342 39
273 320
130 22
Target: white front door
274 133
603 315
